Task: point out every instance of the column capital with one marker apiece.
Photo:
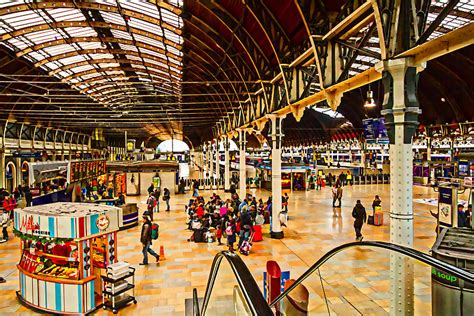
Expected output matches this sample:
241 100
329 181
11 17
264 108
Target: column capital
399 64
274 116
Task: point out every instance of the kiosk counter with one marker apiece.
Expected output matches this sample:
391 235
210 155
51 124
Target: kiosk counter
65 248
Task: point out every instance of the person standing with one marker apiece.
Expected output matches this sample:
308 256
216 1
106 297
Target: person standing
145 239
157 194
360 217
230 231
339 195
286 199
4 223
462 217
166 198
376 203
28 196
334 195
151 188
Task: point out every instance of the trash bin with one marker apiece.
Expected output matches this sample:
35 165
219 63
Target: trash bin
273 280
450 295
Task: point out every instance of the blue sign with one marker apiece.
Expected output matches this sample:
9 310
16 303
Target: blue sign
285 275
375 129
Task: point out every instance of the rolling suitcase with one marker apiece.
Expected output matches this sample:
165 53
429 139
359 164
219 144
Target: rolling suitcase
257 235
378 218
370 220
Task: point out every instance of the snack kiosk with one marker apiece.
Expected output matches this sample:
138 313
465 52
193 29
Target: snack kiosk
65 248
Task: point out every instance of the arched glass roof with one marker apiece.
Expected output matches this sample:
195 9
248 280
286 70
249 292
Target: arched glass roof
112 51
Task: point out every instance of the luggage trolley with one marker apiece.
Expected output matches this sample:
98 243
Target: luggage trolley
115 285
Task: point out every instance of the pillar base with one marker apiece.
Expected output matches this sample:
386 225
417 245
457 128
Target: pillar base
277 235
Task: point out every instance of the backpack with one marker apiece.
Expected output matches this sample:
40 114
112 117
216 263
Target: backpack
229 231
155 231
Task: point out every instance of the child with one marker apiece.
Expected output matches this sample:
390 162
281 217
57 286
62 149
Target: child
231 234
4 223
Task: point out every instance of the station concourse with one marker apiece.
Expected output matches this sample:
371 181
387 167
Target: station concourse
275 157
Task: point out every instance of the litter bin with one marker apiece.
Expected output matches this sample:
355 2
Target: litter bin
450 295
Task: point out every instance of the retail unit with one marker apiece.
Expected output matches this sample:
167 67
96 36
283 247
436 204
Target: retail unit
65 248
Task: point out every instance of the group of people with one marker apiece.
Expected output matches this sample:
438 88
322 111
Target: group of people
153 200
8 202
217 218
342 179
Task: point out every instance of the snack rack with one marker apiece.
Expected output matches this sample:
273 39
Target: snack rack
65 247
119 280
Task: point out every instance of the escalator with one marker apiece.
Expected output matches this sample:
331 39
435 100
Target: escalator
341 282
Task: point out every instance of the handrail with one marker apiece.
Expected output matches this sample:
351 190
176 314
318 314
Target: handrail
195 303
415 254
250 289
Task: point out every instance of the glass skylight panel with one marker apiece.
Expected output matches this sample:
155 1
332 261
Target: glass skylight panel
101 56
59 49
149 41
82 68
65 73
133 57
107 65
128 47
142 7
73 59
81 31
112 18
91 45
152 61
66 14
174 51
121 34
151 52
172 36
19 20
43 36
20 44
146 26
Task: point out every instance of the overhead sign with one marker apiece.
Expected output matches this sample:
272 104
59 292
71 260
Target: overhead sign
27 154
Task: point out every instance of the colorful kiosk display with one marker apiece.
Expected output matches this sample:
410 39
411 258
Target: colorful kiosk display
65 248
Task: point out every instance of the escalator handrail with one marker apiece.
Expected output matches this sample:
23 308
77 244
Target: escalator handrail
415 254
247 283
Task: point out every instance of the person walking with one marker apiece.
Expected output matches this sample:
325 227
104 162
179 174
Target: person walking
334 195
4 223
166 198
145 239
150 204
360 217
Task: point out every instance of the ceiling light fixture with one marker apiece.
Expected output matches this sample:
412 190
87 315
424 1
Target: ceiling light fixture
370 102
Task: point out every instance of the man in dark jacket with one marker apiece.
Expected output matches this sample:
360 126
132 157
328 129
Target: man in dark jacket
246 226
360 218
145 239
28 196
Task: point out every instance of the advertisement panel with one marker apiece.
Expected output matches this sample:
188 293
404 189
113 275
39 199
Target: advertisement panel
445 206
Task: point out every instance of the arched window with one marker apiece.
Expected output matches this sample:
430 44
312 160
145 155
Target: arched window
172 146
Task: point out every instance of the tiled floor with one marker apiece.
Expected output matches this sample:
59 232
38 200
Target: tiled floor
355 282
